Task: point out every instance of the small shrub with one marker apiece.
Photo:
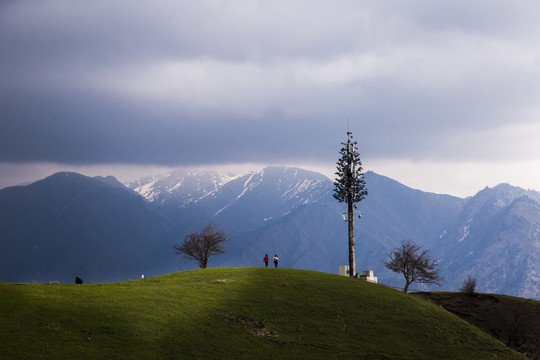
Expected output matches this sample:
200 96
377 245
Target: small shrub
469 285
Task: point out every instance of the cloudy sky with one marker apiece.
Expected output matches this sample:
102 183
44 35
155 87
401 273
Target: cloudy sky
441 95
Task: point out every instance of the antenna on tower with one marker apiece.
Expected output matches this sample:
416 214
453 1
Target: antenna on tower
349 133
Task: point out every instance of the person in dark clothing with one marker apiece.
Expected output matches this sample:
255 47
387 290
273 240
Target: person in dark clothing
276 259
265 260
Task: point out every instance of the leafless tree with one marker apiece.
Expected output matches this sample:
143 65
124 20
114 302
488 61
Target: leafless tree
414 263
200 246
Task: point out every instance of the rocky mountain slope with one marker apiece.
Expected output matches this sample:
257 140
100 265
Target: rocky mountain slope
497 240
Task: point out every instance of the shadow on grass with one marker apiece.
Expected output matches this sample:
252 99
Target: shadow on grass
63 321
233 313
268 314
514 321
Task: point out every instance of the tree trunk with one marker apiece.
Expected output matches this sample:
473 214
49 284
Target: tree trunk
406 286
352 267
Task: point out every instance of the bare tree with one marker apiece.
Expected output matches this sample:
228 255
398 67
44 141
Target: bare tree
200 246
414 264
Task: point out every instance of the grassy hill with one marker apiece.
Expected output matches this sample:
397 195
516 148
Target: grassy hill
240 313
514 321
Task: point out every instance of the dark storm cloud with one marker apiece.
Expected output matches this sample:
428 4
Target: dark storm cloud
188 83
91 129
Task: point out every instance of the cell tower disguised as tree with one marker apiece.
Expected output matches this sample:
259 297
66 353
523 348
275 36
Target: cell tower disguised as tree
350 187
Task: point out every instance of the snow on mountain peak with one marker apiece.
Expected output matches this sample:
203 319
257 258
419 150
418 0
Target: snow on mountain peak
180 183
187 186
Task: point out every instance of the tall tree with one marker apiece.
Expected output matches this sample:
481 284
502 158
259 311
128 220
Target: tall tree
200 246
350 187
414 263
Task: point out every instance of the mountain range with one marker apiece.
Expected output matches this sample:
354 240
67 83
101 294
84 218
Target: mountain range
71 225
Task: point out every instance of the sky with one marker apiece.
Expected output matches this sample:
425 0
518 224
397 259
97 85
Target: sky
443 96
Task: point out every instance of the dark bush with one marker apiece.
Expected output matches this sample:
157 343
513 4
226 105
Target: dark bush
469 285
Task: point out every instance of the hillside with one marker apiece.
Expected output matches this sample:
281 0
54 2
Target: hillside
514 321
240 313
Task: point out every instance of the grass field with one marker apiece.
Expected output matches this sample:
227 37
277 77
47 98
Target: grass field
514 321
233 313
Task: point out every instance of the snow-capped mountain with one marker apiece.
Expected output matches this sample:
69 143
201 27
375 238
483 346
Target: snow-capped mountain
51 228
182 186
250 198
187 187
493 236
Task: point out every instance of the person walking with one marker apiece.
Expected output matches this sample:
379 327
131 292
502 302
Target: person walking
276 259
265 260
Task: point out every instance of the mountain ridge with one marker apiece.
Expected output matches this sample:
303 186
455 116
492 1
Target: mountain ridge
69 225
291 212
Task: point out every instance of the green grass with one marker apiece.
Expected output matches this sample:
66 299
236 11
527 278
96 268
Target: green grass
233 313
514 321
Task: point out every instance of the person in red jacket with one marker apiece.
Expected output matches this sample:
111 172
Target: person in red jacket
266 260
